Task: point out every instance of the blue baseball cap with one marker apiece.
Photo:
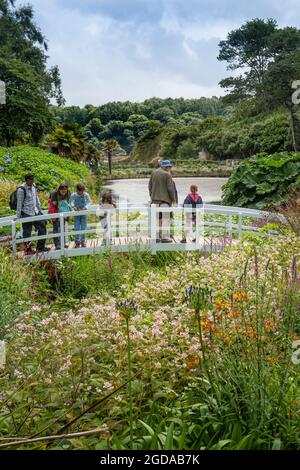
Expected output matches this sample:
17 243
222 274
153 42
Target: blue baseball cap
166 163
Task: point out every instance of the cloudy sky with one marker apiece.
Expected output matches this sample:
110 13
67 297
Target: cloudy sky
134 49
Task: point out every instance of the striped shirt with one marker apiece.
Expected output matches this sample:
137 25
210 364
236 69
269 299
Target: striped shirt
30 204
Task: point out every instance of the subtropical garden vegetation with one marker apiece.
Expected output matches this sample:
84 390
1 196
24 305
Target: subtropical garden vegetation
166 351
50 171
207 345
263 180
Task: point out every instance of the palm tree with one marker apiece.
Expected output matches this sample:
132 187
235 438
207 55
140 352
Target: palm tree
68 141
109 147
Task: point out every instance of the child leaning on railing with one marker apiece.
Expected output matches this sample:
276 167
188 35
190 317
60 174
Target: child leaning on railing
80 202
106 202
193 200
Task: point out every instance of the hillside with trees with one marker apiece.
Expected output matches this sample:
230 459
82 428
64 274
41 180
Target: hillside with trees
256 115
219 138
127 122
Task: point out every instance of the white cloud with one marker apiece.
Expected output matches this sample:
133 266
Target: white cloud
134 49
196 29
102 59
189 50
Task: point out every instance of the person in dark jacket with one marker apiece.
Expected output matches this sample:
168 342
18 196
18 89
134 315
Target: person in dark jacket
28 205
193 200
162 193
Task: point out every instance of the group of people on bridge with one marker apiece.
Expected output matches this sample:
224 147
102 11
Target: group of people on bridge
162 191
28 205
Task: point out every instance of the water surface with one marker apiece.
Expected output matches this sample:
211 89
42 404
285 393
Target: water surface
135 191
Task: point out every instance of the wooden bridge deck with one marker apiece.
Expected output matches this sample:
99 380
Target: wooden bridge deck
125 245
215 227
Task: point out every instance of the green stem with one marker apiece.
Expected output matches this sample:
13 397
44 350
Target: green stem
203 350
130 383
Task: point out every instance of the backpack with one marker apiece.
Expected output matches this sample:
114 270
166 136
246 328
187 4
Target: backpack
13 198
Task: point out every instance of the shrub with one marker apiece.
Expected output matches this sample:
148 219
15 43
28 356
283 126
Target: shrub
50 169
19 284
6 188
263 180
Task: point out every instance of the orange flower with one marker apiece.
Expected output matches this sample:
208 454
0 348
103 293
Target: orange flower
269 325
193 362
232 314
223 335
240 296
221 304
293 402
207 325
272 360
235 328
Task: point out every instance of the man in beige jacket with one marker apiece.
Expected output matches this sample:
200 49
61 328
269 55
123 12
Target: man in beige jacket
162 194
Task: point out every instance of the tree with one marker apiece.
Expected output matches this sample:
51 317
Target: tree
127 122
283 73
68 141
139 124
71 114
93 130
29 84
109 146
247 48
253 48
163 114
271 59
190 119
187 150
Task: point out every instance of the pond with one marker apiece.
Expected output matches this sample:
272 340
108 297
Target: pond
135 191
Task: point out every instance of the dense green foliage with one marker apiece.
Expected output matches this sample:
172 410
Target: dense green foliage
234 138
126 122
256 49
50 170
151 109
29 84
211 371
18 287
68 141
263 119
268 58
263 180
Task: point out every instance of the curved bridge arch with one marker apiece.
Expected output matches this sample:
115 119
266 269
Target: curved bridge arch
136 227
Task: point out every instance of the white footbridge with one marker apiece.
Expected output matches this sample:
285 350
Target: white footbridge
126 228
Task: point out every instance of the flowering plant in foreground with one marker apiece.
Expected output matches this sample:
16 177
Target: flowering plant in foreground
198 297
69 358
126 309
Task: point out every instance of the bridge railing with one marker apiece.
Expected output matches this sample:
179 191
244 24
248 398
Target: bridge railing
141 224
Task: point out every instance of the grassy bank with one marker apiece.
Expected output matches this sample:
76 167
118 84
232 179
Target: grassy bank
183 168
50 170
